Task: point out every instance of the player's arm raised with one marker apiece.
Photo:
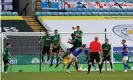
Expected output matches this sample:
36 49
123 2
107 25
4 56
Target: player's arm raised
10 55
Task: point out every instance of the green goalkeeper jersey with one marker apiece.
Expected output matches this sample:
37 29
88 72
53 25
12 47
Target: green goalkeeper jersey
6 53
79 33
106 48
75 42
47 40
56 39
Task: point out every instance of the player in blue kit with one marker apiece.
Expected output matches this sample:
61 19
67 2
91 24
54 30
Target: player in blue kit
73 57
125 55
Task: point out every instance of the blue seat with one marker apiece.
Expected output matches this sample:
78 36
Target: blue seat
9 13
38 13
80 9
113 9
101 13
130 10
61 13
15 13
55 13
95 13
74 9
117 13
129 13
107 9
78 13
84 13
68 9
119 9
67 13
91 9
47 13
3 13
112 13
72 13
97 9
85 9
124 9
123 13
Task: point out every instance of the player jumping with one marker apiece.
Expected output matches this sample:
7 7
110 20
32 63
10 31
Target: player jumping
6 55
46 45
106 47
73 57
125 55
56 48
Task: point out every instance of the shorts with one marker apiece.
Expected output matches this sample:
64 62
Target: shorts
106 58
73 58
94 56
125 58
80 44
5 61
46 49
56 49
72 49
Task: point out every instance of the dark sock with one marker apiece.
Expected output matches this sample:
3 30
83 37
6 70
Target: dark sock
52 58
76 66
68 66
5 68
125 66
128 66
100 68
86 59
102 65
48 58
111 65
42 58
89 68
57 58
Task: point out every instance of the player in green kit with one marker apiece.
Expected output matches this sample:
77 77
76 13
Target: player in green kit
46 45
106 47
6 55
56 47
78 33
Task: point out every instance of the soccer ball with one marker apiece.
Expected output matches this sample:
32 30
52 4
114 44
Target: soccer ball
73 28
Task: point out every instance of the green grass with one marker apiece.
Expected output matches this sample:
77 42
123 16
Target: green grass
65 76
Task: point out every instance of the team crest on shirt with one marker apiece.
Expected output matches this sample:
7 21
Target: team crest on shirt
122 31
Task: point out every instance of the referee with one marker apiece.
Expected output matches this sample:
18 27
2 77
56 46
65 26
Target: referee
94 49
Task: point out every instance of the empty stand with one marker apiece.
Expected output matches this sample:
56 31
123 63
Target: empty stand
33 23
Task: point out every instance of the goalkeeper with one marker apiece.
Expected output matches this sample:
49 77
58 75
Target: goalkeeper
6 55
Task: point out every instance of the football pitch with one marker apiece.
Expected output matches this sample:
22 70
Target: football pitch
65 76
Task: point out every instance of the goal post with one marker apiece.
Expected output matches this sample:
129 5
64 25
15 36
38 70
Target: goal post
26 50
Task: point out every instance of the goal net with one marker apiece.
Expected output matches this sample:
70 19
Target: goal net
26 50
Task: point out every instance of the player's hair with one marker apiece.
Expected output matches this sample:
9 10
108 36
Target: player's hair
55 30
46 30
72 34
8 44
84 45
124 40
107 39
78 26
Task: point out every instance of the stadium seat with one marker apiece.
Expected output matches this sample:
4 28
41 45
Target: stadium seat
117 13
61 13
124 9
111 13
67 13
78 13
101 14
106 9
129 9
15 13
72 13
55 14
119 10
38 13
68 9
113 9
123 13
84 13
129 13
47 13
90 9
85 9
9 13
3 13
80 9
74 9
95 13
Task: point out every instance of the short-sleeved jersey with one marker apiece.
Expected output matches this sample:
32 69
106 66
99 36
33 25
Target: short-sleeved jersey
6 53
75 42
95 46
47 40
106 48
56 39
123 50
76 52
79 33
